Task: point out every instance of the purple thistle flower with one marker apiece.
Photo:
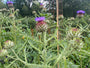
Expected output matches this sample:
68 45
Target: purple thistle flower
9 2
41 4
39 19
80 12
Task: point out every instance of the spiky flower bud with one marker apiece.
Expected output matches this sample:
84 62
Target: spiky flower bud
41 25
34 12
3 52
8 44
73 32
61 16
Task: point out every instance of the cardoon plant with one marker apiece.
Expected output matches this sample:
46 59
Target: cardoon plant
80 13
41 25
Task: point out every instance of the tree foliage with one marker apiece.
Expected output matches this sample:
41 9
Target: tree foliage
69 6
2 5
25 9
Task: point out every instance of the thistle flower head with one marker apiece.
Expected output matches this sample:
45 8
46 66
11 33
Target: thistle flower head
80 12
41 4
3 52
9 2
39 19
8 44
41 25
61 16
73 32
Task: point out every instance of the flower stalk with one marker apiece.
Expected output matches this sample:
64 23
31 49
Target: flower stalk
0 36
45 49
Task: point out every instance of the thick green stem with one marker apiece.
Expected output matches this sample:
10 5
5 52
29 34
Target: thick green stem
14 33
39 36
0 36
80 62
65 63
14 30
45 49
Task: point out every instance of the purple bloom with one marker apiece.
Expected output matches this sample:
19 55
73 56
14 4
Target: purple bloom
39 19
41 4
80 12
9 2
